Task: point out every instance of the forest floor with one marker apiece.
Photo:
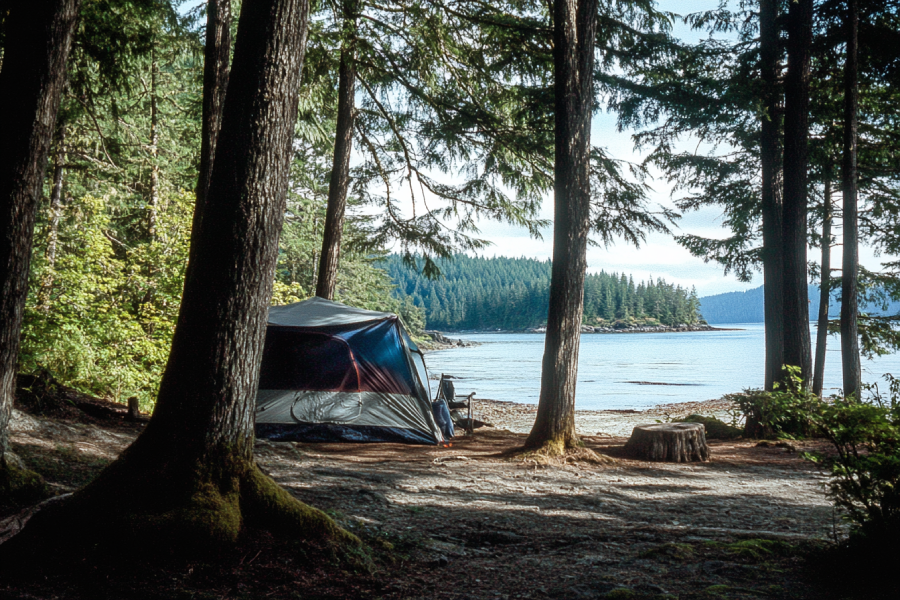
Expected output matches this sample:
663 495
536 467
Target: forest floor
477 520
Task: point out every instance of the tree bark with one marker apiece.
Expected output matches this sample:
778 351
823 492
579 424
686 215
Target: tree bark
37 41
340 167
796 160
55 216
216 69
850 264
153 202
771 194
574 29
189 481
824 294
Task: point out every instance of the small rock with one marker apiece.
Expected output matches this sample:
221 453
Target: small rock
373 495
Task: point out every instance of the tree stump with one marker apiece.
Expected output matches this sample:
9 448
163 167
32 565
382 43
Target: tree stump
134 411
670 442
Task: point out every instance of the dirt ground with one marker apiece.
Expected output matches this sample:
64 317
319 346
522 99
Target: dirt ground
476 520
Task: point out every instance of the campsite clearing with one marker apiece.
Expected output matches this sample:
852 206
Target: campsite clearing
472 521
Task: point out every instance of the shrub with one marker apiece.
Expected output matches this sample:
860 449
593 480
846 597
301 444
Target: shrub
866 466
715 429
786 412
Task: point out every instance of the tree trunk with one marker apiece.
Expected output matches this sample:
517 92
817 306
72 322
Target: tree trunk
189 481
37 41
574 28
55 216
824 293
153 202
796 159
340 168
216 68
771 194
850 264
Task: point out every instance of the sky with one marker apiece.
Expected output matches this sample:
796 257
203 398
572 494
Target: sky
660 256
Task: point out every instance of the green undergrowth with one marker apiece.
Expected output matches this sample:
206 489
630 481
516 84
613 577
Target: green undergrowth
715 428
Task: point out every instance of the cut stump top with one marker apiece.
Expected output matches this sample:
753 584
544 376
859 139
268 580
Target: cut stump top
670 442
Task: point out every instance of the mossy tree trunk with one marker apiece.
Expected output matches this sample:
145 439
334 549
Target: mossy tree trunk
574 29
38 35
797 351
340 167
189 481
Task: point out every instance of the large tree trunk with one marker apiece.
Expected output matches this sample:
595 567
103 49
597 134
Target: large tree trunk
824 294
340 167
38 38
771 194
216 68
189 481
796 159
850 267
573 63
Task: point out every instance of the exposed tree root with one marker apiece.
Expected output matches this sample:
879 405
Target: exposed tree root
19 487
128 512
557 454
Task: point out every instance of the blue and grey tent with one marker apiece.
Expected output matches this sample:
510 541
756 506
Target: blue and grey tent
331 372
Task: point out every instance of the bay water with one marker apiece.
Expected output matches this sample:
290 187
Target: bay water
632 370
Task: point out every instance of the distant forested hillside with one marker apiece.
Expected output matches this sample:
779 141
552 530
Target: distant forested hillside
734 307
747 307
512 293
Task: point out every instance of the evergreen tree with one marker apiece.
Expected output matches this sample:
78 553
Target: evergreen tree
36 40
852 375
190 477
516 290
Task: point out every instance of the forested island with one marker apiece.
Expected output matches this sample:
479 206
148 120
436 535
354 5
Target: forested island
512 293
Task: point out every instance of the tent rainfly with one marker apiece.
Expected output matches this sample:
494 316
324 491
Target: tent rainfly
331 372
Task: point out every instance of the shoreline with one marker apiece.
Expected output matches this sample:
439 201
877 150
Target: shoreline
519 418
439 341
601 330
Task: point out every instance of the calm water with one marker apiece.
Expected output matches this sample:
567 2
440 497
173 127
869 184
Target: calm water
704 364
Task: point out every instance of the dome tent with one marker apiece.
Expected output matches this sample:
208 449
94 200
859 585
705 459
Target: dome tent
332 372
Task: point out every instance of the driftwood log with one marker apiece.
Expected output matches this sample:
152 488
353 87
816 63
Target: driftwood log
671 442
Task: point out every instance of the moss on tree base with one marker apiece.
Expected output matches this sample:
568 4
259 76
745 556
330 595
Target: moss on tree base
19 487
552 446
129 514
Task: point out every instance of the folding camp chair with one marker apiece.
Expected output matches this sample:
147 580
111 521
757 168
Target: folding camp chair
447 391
